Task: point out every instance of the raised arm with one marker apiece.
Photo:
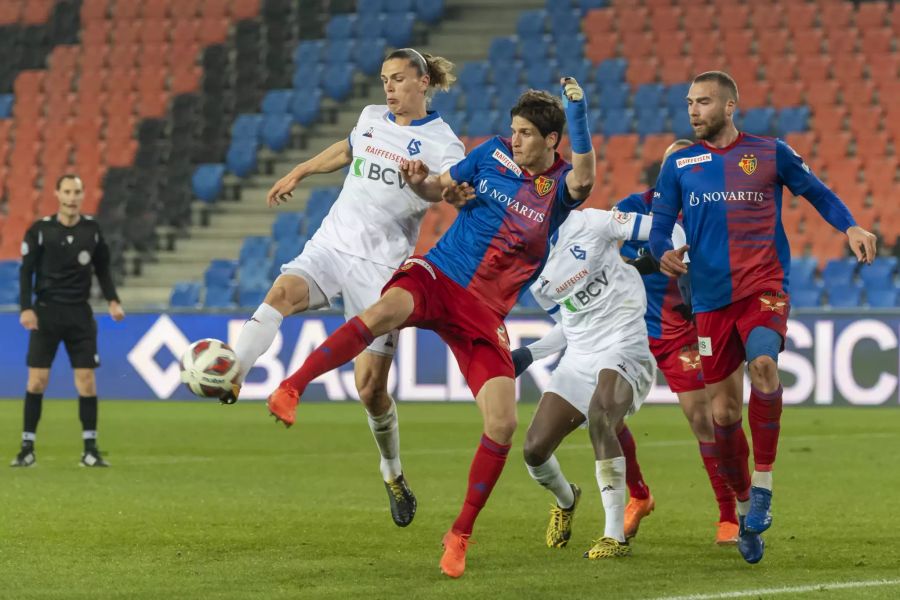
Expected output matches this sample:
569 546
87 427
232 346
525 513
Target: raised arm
580 180
334 157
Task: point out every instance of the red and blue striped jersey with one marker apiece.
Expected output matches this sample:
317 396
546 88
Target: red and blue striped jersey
499 241
730 201
663 322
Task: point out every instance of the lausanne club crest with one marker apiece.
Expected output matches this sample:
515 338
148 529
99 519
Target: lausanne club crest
543 185
748 164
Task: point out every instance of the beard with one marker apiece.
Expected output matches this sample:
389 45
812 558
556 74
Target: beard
714 126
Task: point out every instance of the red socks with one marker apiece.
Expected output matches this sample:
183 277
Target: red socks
343 345
733 455
483 474
633 477
765 425
724 496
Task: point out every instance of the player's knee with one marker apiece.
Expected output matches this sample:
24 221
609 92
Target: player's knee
373 394
501 428
764 372
288 296
37 383
726 412
535 450
86 383
602 418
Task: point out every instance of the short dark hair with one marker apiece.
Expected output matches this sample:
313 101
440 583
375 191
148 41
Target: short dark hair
723 79
544 110
66 176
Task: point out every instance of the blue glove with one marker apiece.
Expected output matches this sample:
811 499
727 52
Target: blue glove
522 359
575 106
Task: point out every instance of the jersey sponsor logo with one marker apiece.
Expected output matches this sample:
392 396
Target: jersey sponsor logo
772 303
358 166
406 266
727 196
502 337
376 172
578 252
693 160
572 281
748 164
414 147
381 153
507 162
523 209
591 290
369 132
622 217
84 257
544 185
690 358
704 346
544 280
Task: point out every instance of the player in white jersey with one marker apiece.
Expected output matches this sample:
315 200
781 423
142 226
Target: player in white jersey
606 372
368 233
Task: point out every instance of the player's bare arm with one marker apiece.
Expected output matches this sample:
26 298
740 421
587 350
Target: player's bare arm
672 262
334 157
580 179
428 187
862 243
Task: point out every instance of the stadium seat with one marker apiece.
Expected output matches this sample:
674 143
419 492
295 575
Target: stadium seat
803 271
503 50
844 296
185 294
481 101
241 158
534 51
207 181
541 74
758 121
483 122
430 11
219 296
618 121
883 298
648 95
613 96
473 76
811 298
287 226
309 52
340 51
611 70
570 50
369 55
398 30
277 102
220 272
305 106
252 295
880 274
445 101
341 27
531 23
370 7
839 272
651 121
276 131
285 251
339 82
254 248
791 120
246 128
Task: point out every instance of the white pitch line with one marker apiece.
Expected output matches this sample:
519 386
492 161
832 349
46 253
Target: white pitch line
820 587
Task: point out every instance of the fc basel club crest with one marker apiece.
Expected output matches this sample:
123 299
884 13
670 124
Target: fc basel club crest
775 303
748 164
690 358
543 185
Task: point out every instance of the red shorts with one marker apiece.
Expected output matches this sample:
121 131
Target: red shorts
474 333
722 333
679 360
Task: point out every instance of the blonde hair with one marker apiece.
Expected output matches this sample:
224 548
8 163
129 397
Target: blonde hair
439 69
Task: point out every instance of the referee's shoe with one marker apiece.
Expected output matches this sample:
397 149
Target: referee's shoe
92 458
25 457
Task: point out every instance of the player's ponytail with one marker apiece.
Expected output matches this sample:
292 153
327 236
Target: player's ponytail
439 69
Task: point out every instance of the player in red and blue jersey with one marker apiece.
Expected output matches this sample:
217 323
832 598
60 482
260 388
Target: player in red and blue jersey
673 342
464 287
728 189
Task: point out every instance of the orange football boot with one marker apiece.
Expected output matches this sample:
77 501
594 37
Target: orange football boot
283 405
635 511
726 533
453 562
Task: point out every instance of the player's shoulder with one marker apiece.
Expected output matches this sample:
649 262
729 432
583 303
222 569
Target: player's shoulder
373 112
753 140
640 202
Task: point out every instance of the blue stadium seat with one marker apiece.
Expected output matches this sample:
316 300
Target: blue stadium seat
507 96
399 6
370 7
207 181
534 50
618 121
565 22
613 95
254 247
532 23
398 30
681 123
507 75
674 97
445 102
6 105
369 55
340 52
758 121
318 205
455 119
483 100
882 298
844 296
651 120
251 295
473 76
246 128
570 50
370 27
309 52
581 69
649 95
483 122
806 298
839 272
285 251
541 75
254 272
277 102
287 226
9 293
503 50
219 296
341 27
339 82
241 158
430 11
611 70
276 131
220 272
880 274
185 294
305 106
803 273
9 271
792 120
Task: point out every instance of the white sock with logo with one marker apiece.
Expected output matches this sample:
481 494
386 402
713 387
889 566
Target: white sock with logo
386 431
256 337
762 479
550 476
611 479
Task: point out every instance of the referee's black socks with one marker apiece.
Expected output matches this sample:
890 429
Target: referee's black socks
33 403
87 412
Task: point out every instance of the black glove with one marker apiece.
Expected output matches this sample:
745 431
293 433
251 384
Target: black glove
645 264
521 360
685 309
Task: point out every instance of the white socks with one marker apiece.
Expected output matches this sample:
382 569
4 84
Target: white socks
762 479
611 479
550 476
386 431
256 336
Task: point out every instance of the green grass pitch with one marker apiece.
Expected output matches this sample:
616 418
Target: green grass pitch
207 501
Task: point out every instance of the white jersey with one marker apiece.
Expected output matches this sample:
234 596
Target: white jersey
598 299
377 216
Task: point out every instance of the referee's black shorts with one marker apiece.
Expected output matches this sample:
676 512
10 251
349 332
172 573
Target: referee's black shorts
72 324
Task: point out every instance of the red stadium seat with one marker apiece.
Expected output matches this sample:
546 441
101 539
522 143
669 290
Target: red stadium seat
835 16
641 70
775 41
814 67
158 9
800 16
155 31
791 219
833 146
802 143
705 47
121 155
808 42
638 44
186 9
36 12
126 32
884 66
737 17
872 147
765 16
781 69
701 17
864 118
220 8
872 14
676 69
848 69
876 41
151 80
124 56
95 33
93 10
92 58
213 31
665 18
90 83
822 92
880 173
64 58
634 18
185 33
244 9
121 79
845 171
154 55
126 10
842 42
119 102
738 42
153 105
787 92
185 79
654 146
596 21
184 55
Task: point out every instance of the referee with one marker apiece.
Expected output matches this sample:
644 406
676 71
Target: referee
59 255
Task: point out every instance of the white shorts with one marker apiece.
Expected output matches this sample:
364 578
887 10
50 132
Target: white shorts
357 280
575 377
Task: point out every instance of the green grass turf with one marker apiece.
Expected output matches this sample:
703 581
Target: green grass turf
207 501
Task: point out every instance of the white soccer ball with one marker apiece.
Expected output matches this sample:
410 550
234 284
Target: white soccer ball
209 367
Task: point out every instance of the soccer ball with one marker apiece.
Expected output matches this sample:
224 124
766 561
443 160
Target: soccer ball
209 367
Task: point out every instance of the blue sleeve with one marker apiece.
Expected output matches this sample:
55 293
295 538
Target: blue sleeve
633 204
666 206
467 169
795 174
563 196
